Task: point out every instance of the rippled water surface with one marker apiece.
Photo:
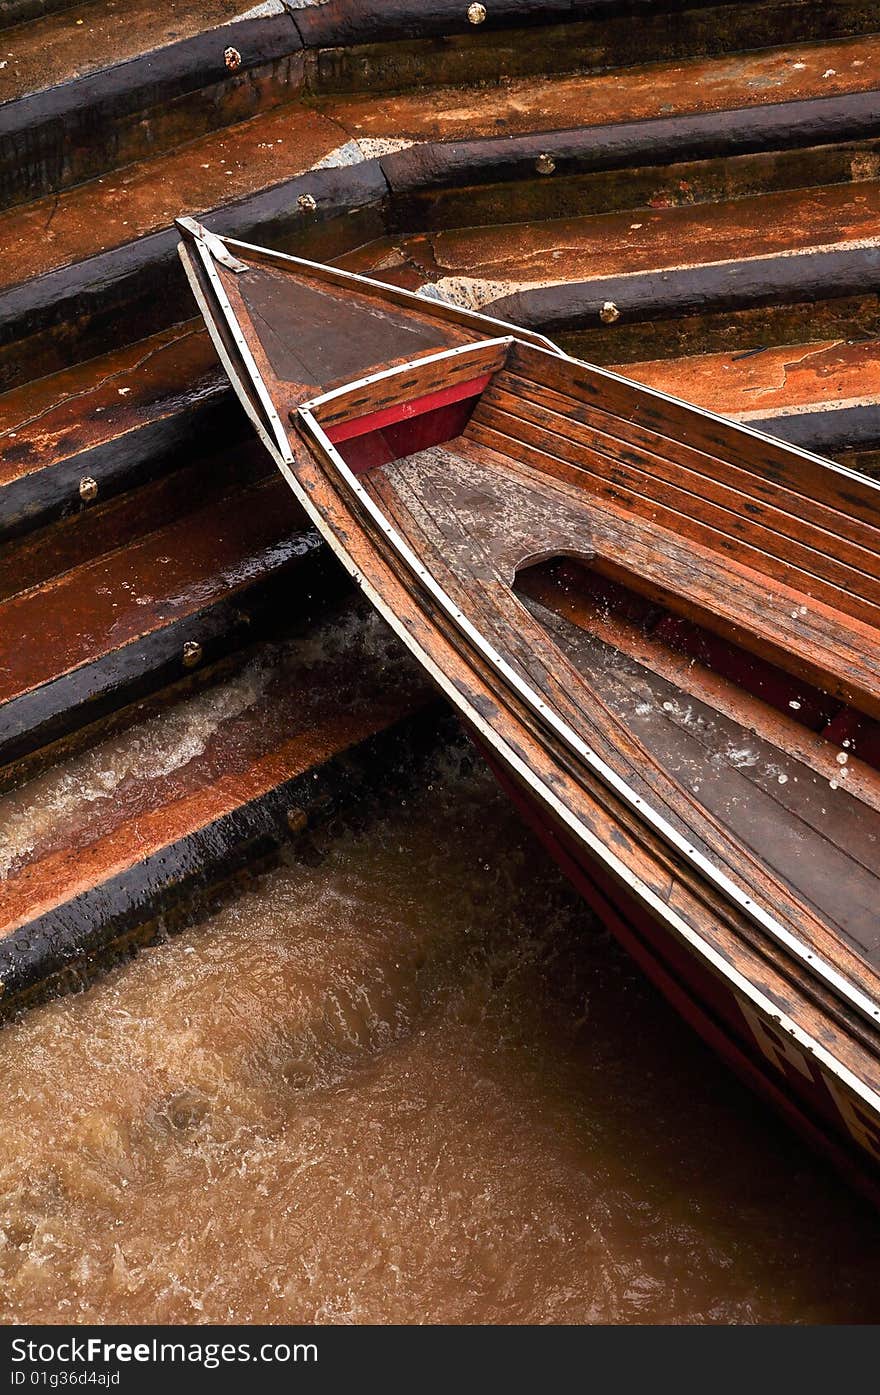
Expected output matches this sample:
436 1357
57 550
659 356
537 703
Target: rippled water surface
403 1078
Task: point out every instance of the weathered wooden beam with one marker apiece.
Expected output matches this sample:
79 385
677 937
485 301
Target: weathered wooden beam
61 135
135 290
197 848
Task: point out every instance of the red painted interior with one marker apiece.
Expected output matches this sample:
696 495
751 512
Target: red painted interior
691 990
401 411
830 718
362 453
406 427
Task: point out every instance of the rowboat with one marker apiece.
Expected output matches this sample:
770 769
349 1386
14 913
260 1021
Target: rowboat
660 627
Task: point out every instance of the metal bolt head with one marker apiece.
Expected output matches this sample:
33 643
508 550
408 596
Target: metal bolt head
307 203
88 489
232 59
609 314
476 13
545 164
297 820
192 653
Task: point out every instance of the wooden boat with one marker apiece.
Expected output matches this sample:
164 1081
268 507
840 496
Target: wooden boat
661 628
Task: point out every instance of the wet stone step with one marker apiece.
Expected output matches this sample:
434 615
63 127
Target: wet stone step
14 12
102 34
489 266
659 162
49 322
96 528
824 373
763 322
103 634
596 37
77 311
823 396
151 823
96 89
801 70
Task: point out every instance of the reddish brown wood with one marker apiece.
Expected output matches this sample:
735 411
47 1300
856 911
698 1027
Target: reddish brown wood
403 411
762 547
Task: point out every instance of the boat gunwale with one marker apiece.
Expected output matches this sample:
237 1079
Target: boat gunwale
812 961
326 452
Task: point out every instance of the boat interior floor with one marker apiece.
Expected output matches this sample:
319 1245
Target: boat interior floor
750 768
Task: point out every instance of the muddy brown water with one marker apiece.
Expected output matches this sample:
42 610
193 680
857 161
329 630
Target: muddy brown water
403 1077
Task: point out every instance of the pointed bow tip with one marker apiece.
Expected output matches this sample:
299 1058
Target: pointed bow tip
193 231
188 227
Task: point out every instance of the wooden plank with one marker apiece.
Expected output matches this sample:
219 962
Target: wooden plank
724 530
420 381
823 842
412 407
800 742
467 680
809 641
442 511
855 498
804 519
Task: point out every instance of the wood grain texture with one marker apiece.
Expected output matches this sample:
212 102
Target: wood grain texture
760 545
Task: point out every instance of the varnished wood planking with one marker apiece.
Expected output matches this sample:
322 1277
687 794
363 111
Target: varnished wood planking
516 513
855 498
421 381
719 529
754 714
590 445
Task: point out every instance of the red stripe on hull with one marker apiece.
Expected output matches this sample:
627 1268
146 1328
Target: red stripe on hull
402 411
703 1001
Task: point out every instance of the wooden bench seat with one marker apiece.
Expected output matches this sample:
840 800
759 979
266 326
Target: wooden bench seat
799 586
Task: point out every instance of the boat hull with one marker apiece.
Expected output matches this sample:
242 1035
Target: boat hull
790 1081
441 480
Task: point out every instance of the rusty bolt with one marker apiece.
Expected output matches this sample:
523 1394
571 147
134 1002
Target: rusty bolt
232 59
88 489
307 203
192 653
609 314
297 819
545 164
476 13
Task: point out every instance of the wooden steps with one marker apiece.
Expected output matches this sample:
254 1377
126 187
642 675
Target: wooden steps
119 420
136 835
53 46
112 629
751 384
236 161
105 377
485 266
91 91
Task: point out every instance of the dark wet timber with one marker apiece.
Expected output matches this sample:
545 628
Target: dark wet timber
165 888
89 644
151 421
701 590
676 292
423 170
74 312
55 138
